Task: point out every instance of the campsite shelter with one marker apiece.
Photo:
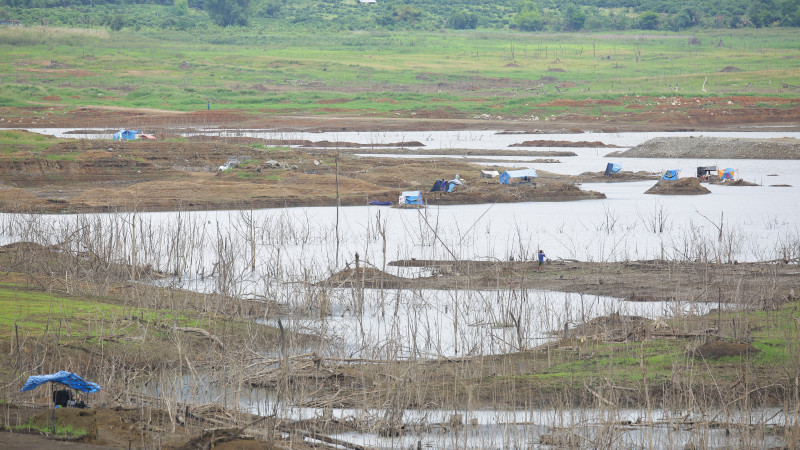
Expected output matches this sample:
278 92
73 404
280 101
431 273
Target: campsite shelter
612 168
671 174
705 171
489 173
506 177
126 134
727 174
411 198
68 379
439 185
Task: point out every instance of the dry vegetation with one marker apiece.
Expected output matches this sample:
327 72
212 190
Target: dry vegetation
94 296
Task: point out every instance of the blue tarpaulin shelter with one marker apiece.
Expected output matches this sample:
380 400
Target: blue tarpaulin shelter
439 185
670 175
126 134
612 168
411 198
506 177
68 379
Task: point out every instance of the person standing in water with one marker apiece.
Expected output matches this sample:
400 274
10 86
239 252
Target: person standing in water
541 256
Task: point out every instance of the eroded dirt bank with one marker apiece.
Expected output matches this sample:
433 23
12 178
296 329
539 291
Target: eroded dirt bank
638 113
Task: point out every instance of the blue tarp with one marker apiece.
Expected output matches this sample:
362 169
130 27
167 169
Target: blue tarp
612 168
66 378
439 185
411 198
670 175
126 134
505 177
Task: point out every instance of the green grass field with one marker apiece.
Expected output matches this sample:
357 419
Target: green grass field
385 73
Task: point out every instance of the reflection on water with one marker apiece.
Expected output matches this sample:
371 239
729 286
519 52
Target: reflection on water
395 324
500 428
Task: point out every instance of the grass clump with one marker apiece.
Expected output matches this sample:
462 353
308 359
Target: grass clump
13 141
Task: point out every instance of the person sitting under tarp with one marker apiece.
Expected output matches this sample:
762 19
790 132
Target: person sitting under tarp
64 398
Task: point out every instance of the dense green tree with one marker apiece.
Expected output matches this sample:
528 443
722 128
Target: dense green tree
528 18
117 23
762 13
648 20
399 14
685 18
574 18
180 7
228 12
270 8
462 20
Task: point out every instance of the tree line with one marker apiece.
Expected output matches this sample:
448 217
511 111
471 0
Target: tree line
522 15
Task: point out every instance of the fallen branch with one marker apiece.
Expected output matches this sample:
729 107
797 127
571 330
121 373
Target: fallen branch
320 437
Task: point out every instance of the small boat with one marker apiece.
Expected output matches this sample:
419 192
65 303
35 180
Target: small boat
380 203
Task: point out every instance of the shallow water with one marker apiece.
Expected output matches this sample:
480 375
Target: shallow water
303 244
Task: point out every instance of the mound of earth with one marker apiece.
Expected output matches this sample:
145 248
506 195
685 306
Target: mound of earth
718 349
363 276
681 186
493 192
736 183
716 147
601 177
546 143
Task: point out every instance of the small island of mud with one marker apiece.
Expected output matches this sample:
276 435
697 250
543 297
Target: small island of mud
716 148
82 175
681 186
548 143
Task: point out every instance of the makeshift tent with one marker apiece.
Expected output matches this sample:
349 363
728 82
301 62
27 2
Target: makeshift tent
670 175
705 171
126 134
612 168
727 174
439 185
66 378
506 177
489 173
411 198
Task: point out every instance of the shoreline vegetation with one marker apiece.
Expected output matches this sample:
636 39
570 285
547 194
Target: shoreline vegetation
80 299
